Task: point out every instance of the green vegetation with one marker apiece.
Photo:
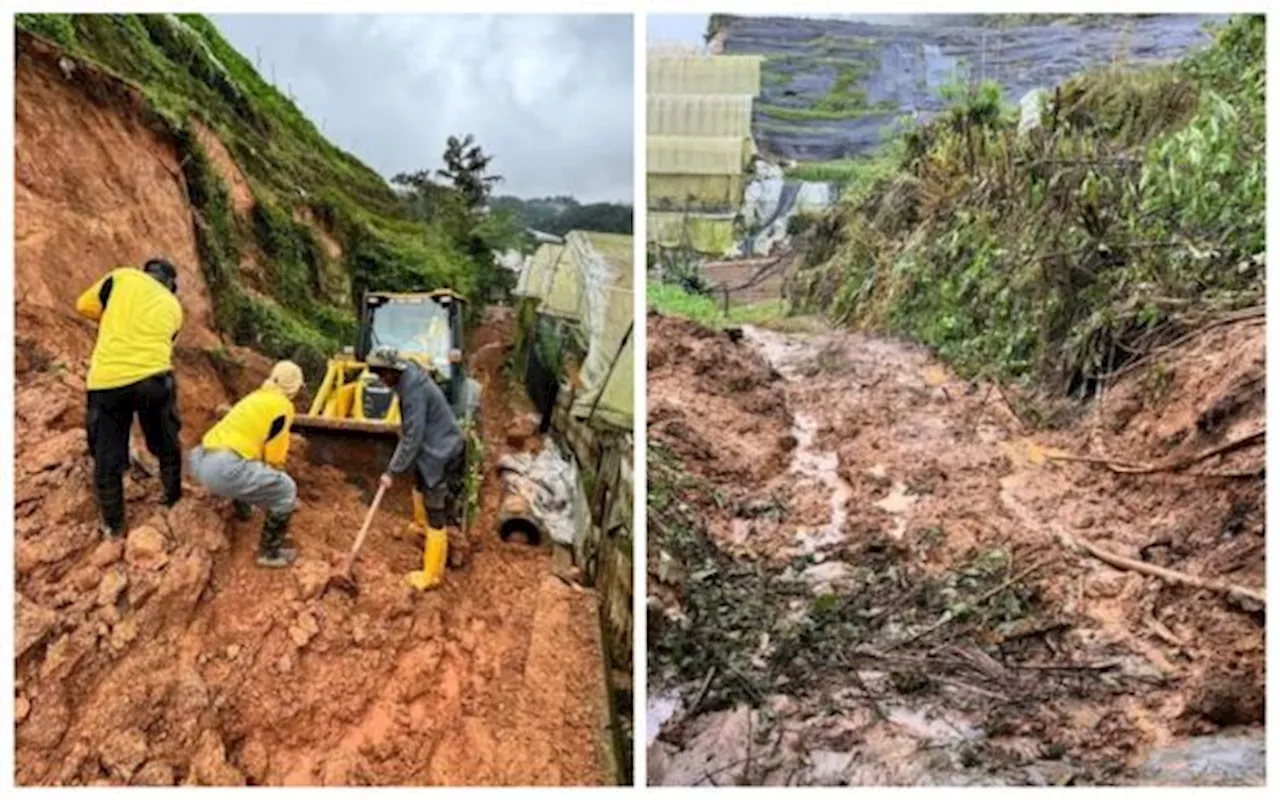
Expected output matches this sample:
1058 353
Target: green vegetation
560 215
191 77
673 301
844 100
1135 209
854 172
846 110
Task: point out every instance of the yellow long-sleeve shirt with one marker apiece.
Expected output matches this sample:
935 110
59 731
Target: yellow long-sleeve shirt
138 320
256 428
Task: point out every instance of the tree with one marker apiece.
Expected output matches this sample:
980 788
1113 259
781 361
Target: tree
435 203
465 167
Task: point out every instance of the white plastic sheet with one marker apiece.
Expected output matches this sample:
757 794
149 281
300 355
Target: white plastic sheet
548 482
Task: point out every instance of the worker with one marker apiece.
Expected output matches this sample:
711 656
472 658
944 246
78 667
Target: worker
131 375
432 444
242 458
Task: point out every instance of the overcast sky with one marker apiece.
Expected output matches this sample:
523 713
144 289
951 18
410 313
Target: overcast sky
550 96
690 28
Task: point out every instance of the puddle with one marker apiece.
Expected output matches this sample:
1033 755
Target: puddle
898 502
1224 759
822 467
937 728
658 709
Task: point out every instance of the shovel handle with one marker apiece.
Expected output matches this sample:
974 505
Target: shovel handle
364 529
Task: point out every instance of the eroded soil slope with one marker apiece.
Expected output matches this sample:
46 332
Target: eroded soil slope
170 658
865 571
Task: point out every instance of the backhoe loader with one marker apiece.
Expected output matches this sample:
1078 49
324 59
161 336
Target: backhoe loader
352 406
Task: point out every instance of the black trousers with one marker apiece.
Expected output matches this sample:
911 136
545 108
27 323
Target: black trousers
111 411
442 498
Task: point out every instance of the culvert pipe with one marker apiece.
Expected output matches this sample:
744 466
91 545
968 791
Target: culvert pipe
516 517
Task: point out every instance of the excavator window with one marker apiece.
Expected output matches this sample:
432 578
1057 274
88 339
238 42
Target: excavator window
415 327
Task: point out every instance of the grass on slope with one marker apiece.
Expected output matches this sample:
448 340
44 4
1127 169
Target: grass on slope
187 71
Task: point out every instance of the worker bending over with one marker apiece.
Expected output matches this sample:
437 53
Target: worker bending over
432 443
131 374
242 457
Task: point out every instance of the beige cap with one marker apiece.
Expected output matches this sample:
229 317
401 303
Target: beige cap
286 377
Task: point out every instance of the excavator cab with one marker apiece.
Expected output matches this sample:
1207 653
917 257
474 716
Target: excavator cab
424 327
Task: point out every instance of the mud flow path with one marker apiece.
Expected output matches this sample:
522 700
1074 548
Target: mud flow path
865 571
172 659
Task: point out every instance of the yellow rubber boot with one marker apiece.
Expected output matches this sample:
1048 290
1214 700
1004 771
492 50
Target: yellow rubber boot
419 525
433 559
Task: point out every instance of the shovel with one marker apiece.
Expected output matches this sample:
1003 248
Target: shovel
346 580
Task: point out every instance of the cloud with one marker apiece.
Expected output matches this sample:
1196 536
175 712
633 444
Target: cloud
550 96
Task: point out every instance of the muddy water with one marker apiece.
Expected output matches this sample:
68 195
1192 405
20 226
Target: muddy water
809 463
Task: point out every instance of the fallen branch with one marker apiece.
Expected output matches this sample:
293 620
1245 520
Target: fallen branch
1171 576
1095 666
1178 466
702 692
1218 450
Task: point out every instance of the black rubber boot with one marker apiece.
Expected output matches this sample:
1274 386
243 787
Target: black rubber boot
243 511
274 550
111 505
171 480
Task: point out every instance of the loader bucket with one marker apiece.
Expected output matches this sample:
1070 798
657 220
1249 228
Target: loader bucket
359 448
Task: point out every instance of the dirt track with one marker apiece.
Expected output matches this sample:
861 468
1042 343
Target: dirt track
173 659
871 521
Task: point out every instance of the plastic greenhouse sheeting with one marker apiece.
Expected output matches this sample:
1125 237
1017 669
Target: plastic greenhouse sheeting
697 155
587 283
607 379
694 192
608 373
699 115
712 235
704 75
535 279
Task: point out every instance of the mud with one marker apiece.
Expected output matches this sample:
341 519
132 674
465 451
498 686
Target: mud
900 481
171 658
235 181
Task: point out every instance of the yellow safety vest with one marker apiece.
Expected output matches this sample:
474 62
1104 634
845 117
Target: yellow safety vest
138 319
256 428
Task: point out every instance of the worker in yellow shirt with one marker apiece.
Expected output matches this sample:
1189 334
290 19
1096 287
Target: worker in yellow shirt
131 374
242 457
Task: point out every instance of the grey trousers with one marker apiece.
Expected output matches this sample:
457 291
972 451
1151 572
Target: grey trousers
229 475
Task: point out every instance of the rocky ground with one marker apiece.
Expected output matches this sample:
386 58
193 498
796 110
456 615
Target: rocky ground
170 658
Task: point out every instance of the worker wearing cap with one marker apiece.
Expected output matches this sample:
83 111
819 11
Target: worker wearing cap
131 375
431 443
242 458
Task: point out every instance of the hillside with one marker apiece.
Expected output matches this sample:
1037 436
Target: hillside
835 89
291 228
560 215
1130 212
